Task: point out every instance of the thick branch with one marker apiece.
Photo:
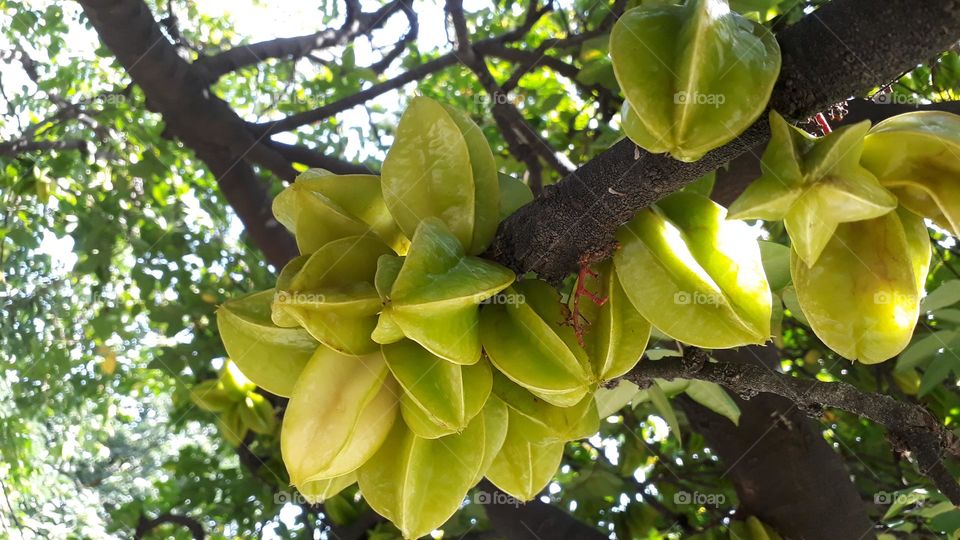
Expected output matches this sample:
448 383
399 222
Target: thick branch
910 427
844 48
202 121
780 464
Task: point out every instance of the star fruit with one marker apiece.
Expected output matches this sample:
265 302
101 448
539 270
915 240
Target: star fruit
813 184
917 156
435 297
695 75
440 165
319 207
695 275
862 296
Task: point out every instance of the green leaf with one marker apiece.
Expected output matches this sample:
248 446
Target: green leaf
664 408
936 373
513 194
946 295
947 522
924 348
714 397
776 264
611 400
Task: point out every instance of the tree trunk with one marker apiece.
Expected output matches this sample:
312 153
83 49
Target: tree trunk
784 472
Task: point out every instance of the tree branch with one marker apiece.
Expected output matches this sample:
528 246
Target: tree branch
356 24
520 137
315 159
326 111
844 48
910 427
493 46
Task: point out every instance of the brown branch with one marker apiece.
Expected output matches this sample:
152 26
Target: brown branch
520 137
910 427
844 48
769 455
313 158
413 29
145 525
492 46
326 111
356 24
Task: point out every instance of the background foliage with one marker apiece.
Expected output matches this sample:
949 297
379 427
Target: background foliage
116 246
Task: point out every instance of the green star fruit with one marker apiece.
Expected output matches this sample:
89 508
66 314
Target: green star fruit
319 207
695 76
441 166
695 275
542 421
317 491
524 465
341 411
813 184
862 296
436 295
617 333
419 483
269 355
333 295
439 397
524 334
388 267
917 156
